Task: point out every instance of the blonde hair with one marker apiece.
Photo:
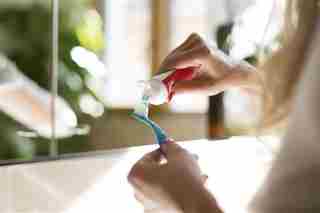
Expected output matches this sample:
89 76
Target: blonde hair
281 72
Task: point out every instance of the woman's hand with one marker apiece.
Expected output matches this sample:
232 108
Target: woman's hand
216 74
176 185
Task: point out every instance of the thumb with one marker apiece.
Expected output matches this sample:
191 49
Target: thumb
204 178
188 57
170 148
153 157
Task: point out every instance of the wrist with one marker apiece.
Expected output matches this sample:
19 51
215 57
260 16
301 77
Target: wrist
247 77
243 74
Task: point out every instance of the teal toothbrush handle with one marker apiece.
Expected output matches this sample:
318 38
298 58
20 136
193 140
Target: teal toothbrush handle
159 133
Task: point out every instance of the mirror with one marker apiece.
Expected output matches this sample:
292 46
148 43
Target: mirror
79 61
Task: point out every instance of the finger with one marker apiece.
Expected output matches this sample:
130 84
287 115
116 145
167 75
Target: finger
181 47
146 168
206 85
145 202
153 157
200 84
224 83
197 52
171 150
188 43
195 156
155 210
139 198
169 146
193 41
204 178
196 42
189 57
160 210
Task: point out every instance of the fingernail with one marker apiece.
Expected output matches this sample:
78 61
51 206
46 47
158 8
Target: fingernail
170 140
195 156
205 177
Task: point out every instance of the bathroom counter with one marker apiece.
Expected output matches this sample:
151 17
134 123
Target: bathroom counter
97 182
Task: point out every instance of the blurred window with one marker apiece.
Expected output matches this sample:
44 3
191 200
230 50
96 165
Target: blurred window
128 50
140 34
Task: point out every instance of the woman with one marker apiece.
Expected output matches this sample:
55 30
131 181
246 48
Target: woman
289 83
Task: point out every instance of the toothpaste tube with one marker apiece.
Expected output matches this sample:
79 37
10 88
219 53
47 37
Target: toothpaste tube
159 89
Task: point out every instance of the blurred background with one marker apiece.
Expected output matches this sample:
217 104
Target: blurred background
105 48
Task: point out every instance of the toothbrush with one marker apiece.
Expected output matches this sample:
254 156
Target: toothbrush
183 74
157 91
159 133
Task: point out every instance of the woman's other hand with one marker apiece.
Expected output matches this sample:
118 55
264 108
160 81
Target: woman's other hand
217 73
176 185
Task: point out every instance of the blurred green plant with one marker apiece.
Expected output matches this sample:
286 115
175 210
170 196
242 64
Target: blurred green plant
25 34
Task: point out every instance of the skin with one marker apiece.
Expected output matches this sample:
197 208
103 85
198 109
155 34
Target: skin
216 74
292 184
150 177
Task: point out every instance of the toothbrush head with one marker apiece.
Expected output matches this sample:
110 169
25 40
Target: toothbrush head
141 109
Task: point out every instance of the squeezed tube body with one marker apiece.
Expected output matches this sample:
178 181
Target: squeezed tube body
159 89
